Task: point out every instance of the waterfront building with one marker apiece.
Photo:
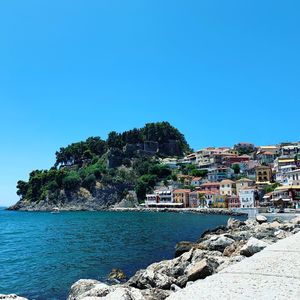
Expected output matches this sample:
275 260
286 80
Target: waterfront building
181 196
160 198
233 202
197 199
243 183
227 187
151 200
247 197
219 201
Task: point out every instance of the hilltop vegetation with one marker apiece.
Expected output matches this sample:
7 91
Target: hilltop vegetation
125 161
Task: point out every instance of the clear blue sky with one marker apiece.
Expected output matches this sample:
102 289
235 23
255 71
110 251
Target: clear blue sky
220 71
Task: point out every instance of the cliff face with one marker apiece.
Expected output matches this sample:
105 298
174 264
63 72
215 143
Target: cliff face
101 198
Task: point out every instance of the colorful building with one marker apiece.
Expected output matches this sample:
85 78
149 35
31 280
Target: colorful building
181 196
197 199
233 202
263 175
243 183
211 186
220 201
227 187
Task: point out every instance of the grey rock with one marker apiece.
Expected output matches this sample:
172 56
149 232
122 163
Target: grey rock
253 246
220 243
198 270
234 223
261 219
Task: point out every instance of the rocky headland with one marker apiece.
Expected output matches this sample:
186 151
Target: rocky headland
215 250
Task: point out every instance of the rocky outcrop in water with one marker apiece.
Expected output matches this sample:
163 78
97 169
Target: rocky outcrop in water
101 198
214 251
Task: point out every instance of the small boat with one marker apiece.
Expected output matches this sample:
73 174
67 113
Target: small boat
55 210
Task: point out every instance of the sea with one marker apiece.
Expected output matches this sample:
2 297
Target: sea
43 254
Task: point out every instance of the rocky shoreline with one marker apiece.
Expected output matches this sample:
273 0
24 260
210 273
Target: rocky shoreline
214 211
215 250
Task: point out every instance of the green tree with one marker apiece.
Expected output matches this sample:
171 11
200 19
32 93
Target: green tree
72 181
236 168
144 185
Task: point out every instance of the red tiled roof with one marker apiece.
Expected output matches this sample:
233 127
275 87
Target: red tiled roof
181 191
210 183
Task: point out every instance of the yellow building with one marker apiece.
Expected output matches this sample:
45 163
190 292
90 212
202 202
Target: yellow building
219 201
263 174
181 196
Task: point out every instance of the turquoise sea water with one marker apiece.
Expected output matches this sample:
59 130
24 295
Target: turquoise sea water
43 254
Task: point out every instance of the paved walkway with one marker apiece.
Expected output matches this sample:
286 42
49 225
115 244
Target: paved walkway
274 273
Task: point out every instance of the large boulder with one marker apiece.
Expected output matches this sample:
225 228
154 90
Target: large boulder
198 270
253 246
219 243
233 249
88 288
11 297
261 219
234 223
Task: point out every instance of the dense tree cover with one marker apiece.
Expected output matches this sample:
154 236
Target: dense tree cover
244 148
85 163
190 169
271 187
78 152
160 132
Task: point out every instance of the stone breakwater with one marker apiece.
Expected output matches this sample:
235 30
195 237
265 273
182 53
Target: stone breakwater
214 251
206 211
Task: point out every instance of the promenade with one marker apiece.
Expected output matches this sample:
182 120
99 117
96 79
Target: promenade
273 273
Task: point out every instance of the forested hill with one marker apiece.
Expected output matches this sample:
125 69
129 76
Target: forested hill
97 173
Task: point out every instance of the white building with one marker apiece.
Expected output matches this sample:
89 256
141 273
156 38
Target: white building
292 178
281 174
247 197
227 187
159 198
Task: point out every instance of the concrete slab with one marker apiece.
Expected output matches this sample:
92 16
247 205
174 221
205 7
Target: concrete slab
241 287
274 273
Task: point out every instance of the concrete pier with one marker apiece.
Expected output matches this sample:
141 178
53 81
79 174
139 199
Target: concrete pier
274 273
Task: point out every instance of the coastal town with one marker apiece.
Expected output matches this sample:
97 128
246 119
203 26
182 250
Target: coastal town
241 177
